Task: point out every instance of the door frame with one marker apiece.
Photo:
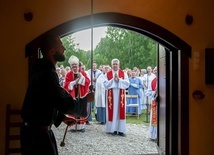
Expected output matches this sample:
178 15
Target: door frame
177 142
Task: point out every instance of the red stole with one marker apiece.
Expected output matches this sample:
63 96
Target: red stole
154 104
110 97
154 84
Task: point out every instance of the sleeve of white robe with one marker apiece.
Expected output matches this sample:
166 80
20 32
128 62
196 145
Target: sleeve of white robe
124 83
81 80
71 85
151 94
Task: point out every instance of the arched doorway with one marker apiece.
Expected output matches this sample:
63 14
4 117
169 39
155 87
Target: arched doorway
173 135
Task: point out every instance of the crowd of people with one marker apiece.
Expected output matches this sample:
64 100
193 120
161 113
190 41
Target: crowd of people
134 82
56 92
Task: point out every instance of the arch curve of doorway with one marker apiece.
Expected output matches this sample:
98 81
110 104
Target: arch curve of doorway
177 141
145 27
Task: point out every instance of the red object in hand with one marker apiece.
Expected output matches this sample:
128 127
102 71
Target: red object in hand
90 97
69 121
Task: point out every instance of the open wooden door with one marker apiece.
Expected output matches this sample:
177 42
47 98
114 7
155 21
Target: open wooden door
164 81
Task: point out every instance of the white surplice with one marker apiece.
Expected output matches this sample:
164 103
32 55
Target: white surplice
100 99
100 92
116 124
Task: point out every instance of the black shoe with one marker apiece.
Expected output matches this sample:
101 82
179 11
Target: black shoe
87 123
114 133
72 130
82 130
122 134
102 123
154 140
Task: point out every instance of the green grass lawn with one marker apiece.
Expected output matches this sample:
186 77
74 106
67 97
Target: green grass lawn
143 119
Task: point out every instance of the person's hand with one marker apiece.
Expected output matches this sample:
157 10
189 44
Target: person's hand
95 79
77 80
116 77
79 75
90 97
69 121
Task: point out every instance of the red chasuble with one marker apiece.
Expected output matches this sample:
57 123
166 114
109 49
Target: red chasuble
110 97
154 104
83 90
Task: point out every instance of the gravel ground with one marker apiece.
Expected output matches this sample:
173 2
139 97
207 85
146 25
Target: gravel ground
94 141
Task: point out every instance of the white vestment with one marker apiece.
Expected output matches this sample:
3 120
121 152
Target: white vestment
100 98
116 124
148 79
152 129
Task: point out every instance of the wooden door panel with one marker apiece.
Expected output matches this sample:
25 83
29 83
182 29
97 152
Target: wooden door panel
162 98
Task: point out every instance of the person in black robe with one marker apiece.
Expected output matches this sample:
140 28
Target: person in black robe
46 102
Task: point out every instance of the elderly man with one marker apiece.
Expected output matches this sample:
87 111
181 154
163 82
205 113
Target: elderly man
116 81
77 84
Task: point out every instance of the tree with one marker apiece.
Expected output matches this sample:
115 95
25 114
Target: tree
131 48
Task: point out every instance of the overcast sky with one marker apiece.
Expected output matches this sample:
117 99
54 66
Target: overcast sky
84 37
